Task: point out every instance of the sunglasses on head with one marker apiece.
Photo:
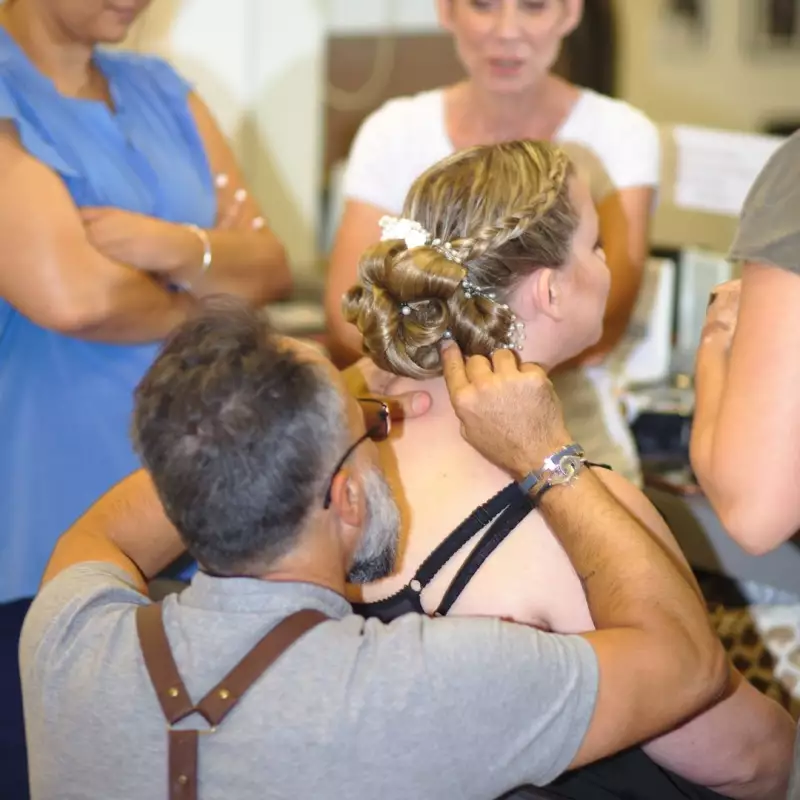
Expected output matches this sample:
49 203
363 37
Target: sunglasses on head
378 424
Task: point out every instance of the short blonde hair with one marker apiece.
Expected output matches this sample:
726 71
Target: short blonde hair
506 211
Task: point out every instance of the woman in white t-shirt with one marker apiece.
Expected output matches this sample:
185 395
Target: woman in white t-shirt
508 48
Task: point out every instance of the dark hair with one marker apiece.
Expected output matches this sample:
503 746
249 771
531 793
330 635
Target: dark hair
238 435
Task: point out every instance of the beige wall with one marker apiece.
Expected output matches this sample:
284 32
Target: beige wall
720 83
260 66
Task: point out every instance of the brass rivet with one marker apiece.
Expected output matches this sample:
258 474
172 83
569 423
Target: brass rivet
224 694
173 692
183 780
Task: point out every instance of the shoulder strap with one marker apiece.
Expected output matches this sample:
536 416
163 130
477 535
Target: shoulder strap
214 707
449 546
170 689
489 542
509 518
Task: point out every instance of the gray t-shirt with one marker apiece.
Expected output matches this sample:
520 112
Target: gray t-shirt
769 227
420 708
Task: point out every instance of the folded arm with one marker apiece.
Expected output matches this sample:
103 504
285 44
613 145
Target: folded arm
248 259
50 272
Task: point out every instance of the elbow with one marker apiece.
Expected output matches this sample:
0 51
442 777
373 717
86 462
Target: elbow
758 515
757 525
714 672
73 315
762 769
703 671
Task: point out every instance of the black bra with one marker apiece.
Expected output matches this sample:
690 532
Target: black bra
504 511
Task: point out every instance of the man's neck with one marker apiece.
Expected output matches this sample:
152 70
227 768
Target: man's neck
319 578
317 560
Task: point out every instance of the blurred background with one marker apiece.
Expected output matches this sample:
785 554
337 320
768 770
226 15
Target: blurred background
290 82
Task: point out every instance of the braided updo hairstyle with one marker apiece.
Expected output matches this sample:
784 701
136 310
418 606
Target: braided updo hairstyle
506 211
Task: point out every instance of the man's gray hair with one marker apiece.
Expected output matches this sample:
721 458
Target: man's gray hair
239 435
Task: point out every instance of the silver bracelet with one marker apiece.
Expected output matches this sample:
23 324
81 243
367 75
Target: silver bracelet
208 256
560 468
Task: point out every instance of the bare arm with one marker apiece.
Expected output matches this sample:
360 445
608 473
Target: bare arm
51 274
652 626
126 527
248 261
358 230
747 413
740 747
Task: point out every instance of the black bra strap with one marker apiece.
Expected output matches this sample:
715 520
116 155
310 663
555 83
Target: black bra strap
475 522
489 542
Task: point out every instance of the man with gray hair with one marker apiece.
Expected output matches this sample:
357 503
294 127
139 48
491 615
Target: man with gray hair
267 470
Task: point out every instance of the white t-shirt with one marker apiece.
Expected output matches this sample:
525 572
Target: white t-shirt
612 144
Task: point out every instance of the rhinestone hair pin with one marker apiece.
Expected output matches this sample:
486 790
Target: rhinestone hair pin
414 235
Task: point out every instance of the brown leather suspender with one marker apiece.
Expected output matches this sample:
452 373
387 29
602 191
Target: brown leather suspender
214 707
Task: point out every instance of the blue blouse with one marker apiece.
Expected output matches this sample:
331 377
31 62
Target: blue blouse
65 404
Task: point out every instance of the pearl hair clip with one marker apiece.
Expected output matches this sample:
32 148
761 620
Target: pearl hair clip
414 235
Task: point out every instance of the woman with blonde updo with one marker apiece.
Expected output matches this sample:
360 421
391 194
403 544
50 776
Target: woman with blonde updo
498 247
508 49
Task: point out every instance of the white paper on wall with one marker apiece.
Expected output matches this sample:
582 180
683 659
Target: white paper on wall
647 357
715 169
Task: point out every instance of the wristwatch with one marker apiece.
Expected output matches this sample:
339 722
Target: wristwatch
560 468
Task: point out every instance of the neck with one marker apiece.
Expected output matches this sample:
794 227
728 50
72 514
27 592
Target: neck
511 115
317 559
58 56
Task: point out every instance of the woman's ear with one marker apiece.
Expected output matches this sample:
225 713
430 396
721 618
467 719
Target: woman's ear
545 293
573 14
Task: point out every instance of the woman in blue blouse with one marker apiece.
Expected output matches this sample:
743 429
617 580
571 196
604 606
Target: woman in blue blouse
117 188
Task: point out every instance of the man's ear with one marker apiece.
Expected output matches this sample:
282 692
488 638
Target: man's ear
573 14
544 293
347 498
446 12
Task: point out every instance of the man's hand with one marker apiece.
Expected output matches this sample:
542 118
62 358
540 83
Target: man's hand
509 412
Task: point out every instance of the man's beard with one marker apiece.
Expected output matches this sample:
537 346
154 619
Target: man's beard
377 550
